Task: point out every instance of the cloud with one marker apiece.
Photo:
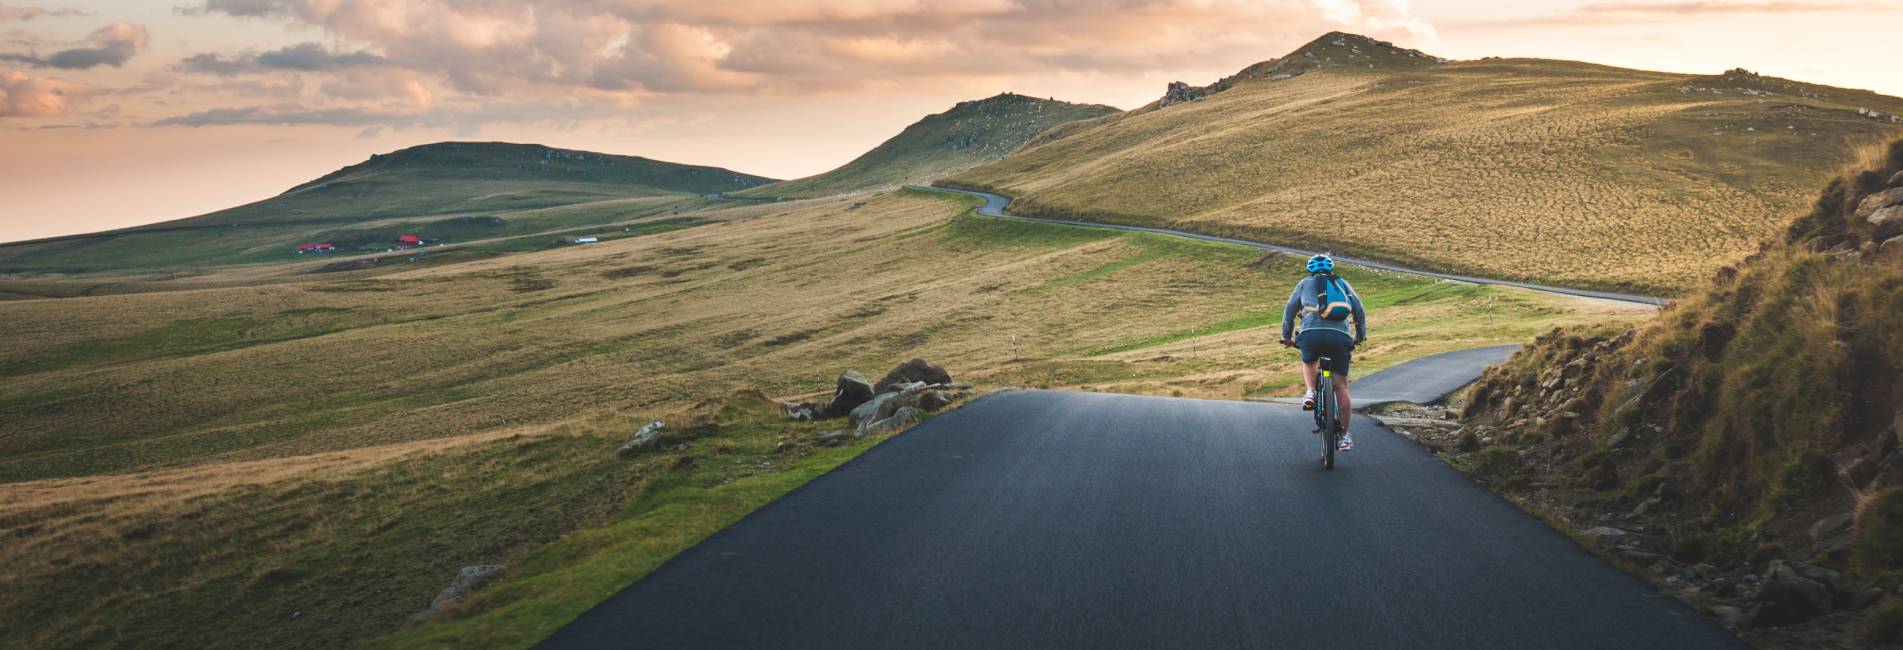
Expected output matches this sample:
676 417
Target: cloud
29 12
288 115
467 119
303 57
642 47
27 96
1718 7
1620 13
111 45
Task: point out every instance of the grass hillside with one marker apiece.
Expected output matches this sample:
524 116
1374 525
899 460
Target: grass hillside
306 465
1763 403
969 134
452 191
1541 170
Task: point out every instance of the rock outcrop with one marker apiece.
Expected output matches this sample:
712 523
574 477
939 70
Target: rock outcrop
466 582
849 391
644 438
1178 92
910 390
914 370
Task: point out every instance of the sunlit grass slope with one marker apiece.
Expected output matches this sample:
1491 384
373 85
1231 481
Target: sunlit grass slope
1531 169
970 133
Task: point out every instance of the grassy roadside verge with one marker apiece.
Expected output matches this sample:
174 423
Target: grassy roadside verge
553 584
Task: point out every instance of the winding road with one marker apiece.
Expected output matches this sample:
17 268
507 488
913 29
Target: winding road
1040 519
996 204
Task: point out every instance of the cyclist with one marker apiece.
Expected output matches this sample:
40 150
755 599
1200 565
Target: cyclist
1324 333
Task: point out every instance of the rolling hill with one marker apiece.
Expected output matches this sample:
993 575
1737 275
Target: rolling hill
1551 171
451 190
969 134
306 465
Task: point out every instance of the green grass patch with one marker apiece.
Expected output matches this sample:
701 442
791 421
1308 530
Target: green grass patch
970 231
185 338
555 583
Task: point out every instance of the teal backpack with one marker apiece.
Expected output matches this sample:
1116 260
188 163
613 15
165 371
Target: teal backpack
1332 298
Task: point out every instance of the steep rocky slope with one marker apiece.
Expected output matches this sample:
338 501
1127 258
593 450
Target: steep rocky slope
1756 420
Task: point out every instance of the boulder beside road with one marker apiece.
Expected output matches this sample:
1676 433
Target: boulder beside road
912 371
849 391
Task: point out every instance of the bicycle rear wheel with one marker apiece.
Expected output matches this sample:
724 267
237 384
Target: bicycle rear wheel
1327 426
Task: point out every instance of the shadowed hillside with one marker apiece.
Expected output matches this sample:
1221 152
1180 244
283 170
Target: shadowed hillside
1527 169
445 191
970 133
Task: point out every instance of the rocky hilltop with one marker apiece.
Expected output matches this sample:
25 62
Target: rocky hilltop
971 133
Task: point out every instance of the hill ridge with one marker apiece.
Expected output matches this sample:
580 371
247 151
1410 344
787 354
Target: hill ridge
1544 171
969 133
1317 54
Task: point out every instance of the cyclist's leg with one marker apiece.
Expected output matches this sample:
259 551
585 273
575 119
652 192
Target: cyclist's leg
1347 406
1341 352
1311 361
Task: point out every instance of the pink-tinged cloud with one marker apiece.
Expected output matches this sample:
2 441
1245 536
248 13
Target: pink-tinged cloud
111 45
1721 7
506 47
1626 13
30 12
22 95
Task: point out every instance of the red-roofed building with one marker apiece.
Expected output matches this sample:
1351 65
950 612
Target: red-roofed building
409 240
315 248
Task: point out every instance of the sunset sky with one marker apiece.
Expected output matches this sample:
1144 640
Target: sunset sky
124 112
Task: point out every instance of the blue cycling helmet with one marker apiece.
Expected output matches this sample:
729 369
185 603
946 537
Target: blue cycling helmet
1321 264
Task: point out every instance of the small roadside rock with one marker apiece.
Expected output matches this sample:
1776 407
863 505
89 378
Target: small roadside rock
869 410
466 582
1828 526
643 438
890 424
833 438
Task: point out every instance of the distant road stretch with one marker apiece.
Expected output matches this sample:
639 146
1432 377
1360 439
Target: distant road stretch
995 207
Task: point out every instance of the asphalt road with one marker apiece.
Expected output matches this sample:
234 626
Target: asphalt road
995 207
1428 378
1045 519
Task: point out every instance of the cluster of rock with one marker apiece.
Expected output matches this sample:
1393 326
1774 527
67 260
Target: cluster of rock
1880 115
466 582
1178 92
1299 62
645 437
1785 593
874 409
1884 211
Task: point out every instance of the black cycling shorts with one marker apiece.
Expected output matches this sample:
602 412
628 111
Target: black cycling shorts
1334 344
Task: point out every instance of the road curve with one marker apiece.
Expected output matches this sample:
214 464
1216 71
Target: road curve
1428 378
995 205
1041 519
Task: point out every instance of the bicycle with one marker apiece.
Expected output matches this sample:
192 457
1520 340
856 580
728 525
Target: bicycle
1327 409
1327 412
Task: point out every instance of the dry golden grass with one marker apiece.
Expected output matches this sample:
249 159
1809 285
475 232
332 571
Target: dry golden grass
778 297
303 419
1528 169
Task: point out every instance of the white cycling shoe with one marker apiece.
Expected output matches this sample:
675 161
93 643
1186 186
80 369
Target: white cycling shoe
1308 401
1347 443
